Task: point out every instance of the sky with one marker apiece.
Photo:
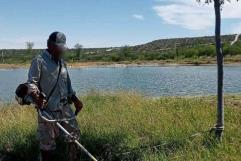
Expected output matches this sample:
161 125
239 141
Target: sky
110 23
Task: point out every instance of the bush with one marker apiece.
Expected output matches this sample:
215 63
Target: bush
187 52
206 51
232 50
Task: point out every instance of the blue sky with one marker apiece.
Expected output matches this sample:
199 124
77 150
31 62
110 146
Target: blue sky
106 23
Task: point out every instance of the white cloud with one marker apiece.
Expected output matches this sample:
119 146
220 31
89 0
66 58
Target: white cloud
232 10
192 15
138 16
184 15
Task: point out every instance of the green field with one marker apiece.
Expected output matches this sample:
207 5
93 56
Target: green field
128 126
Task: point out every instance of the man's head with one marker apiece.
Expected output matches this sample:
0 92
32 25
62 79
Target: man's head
57 44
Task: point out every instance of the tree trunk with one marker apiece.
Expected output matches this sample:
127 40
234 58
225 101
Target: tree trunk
220 108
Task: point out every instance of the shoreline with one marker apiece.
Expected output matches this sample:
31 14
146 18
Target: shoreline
121 64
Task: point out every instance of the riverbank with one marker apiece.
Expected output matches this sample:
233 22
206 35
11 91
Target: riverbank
128 126
228 61
107 64
121 64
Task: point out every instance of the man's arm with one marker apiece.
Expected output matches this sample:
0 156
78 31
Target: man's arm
72 96
71 92
34 72
34 75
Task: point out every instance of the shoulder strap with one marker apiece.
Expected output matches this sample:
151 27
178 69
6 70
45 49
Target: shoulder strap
68 79
40 76
52 90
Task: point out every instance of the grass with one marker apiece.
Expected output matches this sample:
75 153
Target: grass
126 126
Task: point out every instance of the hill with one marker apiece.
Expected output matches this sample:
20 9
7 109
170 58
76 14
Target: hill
193 50
182 42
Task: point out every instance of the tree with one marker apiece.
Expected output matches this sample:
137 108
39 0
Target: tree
220 108
125 51
78 49
29 46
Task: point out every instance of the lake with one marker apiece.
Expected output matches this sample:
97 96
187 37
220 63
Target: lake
150 81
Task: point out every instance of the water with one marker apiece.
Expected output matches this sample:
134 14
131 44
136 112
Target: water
151 81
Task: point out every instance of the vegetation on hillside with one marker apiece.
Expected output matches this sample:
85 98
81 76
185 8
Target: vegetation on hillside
194 49
127 126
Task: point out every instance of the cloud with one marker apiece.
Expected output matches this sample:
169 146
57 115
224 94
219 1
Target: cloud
138 16
192 15
184 15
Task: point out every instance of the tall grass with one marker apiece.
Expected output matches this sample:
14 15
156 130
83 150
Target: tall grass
127 126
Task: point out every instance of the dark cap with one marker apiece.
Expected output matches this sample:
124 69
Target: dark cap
58 39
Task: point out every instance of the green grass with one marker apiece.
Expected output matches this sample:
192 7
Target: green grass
113 124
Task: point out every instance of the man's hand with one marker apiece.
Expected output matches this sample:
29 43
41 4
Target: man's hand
39 99
78 104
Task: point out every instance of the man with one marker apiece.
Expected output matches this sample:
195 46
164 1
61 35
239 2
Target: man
48 74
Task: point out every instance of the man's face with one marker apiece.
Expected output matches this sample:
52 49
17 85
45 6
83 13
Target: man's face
56 44
58 51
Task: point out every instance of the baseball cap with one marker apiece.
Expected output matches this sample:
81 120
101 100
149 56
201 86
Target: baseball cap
58 39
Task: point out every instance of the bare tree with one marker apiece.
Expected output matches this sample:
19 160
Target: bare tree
78 47
220 108
125 51
3 57
29 47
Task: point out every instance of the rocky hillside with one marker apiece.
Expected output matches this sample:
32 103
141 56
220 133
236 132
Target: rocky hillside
190 41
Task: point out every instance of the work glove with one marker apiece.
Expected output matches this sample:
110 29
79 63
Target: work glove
78 104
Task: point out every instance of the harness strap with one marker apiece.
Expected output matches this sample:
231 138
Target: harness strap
53 89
